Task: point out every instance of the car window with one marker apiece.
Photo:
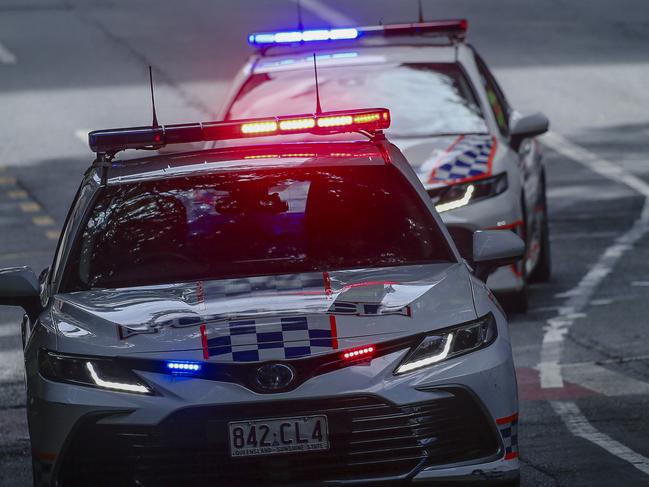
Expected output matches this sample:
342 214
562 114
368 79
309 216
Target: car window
425 99
495 96
248 223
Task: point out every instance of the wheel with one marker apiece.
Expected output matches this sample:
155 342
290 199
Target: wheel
543 269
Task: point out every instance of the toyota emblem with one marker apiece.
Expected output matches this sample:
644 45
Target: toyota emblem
273 377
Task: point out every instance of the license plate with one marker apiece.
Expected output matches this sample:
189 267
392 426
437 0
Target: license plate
283 435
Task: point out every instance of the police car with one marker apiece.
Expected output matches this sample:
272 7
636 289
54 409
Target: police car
274 314
476 156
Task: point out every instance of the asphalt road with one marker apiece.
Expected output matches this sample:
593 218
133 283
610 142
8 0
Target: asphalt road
581 351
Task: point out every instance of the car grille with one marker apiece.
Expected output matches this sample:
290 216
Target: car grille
370 440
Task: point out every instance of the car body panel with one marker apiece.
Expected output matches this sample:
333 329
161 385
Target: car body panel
434 157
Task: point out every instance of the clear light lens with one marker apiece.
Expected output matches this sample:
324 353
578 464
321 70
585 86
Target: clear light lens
451 343
335 121
459 203
292 37
298 124
184 367
458 195
259 127
118 386
99 372
358 353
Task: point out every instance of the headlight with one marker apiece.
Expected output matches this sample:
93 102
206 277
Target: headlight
449 343
458 195
94 372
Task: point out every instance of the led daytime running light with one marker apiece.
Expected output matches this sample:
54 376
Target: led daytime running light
118 386
452 205
429 360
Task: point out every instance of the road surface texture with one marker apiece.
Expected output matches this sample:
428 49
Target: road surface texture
581 351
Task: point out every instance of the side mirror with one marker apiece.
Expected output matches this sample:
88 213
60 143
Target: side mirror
527 126
495 248
19 287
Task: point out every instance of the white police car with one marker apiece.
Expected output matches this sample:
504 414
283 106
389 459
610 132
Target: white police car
283 314
475 155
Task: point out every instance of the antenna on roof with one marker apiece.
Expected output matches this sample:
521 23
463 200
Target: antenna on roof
421 12
155 123
300 23
318 108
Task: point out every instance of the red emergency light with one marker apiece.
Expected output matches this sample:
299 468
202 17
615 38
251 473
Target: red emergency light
361 353
114 140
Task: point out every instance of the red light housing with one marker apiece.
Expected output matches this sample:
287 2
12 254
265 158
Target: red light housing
361 353
338 122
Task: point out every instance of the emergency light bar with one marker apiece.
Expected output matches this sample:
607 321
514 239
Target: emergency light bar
452 28
115 140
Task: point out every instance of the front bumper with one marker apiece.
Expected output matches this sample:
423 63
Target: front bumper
423 426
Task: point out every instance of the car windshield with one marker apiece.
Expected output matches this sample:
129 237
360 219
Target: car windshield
254 222
424 99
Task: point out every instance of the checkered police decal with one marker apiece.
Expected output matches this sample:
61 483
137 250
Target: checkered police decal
467 158
509 431
252 340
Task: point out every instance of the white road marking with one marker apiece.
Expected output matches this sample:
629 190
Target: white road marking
326 13
640 283
579 426
12 366
579 297
6 56
550 370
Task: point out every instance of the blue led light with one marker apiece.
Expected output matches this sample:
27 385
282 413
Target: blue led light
291 37
184 367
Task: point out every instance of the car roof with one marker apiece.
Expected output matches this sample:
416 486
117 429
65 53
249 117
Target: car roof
346 55
304 154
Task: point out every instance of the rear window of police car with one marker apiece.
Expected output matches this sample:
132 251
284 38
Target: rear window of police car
253 222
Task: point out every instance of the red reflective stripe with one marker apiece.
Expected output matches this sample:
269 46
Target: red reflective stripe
206 352
327 283
515 270
334 331
508 419
431 178
511 455
509 226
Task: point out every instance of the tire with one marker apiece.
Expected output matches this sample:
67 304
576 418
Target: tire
543 269
516 302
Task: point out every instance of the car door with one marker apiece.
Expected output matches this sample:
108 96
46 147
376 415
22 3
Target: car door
528 153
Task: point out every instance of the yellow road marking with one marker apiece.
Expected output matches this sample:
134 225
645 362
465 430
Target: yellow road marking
43 221
30 207
17 194
52 234
7 181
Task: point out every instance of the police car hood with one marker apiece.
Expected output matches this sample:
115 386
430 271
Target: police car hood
272 317
444 160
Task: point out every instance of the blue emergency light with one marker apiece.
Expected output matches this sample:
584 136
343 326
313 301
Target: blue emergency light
184 367
451 28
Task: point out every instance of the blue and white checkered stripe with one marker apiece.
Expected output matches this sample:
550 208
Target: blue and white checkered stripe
509 431
252 340
468 159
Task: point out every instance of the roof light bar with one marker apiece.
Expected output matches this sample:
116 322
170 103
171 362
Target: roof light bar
297 36
115 140
452 28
